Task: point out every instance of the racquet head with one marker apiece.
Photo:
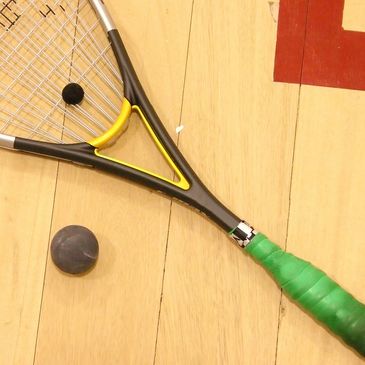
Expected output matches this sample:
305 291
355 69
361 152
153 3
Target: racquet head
68 88
59 79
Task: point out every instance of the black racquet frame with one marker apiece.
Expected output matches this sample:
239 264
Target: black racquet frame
197 196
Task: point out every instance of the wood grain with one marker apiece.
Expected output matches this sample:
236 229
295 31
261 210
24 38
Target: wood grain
219 307
110 316
169 287
27 187
327 214
354 15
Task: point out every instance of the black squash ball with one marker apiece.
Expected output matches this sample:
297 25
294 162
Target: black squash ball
74 249
73 94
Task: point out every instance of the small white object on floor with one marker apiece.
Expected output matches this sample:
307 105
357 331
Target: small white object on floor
179 129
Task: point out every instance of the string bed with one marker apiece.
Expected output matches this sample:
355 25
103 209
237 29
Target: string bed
44 47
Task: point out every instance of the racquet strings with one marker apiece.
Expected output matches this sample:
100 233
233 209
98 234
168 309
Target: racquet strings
45 46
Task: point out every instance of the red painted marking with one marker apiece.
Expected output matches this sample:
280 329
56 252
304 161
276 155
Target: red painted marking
314 49
291 40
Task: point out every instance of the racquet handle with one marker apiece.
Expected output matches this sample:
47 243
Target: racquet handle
312 289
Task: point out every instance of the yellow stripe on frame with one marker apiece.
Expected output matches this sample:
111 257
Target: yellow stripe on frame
117 127
126 111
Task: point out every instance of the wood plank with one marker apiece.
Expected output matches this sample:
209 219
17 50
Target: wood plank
354 15
110 316
26 194
218 306
327 214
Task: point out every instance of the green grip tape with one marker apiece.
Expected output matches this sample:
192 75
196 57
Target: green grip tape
313 290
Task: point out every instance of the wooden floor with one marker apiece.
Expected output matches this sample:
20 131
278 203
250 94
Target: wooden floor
169 287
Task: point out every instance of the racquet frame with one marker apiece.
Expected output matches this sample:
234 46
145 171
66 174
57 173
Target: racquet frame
308 286
188 189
